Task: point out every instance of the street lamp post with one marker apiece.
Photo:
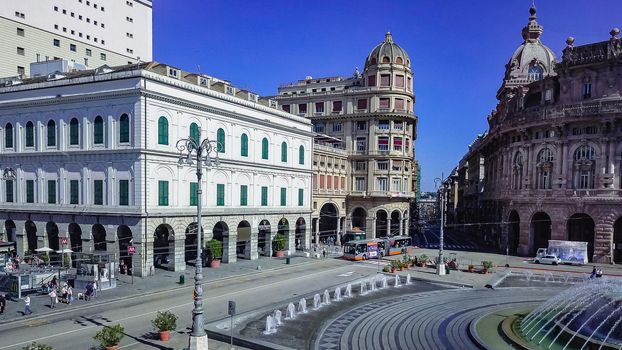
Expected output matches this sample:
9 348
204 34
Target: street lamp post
194 151
440 265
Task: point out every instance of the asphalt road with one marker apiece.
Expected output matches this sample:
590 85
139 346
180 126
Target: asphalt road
75 328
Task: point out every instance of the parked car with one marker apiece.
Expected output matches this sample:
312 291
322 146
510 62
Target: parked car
548 259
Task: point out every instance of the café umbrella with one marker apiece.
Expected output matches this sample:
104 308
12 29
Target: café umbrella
64 251
44 250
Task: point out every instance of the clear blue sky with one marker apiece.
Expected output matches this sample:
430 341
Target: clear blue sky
458 50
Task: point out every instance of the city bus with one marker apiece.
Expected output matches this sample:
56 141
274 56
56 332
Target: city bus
397 245
355 235
361 250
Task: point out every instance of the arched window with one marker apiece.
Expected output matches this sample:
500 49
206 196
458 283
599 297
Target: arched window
162 131
244 145
584 167
399 60
124 129
301 155
517 171
51 133
74 132
8 135
220 138
372 61
544 169
264 148
30 135
283 152
98 130
386 59
195 134
534 73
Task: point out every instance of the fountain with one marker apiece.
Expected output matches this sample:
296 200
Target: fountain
270 325
348 293
337 294
397 281
291 312
372 285
363 287
277 317
317 301
302 306
326 300
408 279
384 282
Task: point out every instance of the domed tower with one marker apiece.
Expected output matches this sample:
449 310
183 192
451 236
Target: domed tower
388 67
531 61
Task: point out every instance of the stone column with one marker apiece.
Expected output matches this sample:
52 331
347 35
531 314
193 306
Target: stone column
371 228
290 239
401 226
338 241
250 248
229 254
316 224
177 261
407 228
21 240
523 240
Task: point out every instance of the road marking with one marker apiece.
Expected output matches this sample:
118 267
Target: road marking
347 274
227 295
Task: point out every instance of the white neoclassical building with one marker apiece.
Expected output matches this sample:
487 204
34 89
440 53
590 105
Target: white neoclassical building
95 159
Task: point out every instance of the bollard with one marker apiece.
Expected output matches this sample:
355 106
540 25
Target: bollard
182 279
287 260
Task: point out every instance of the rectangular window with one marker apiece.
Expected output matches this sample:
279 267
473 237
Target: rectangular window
98 192
89 52
163 193
360 165
337 106
74 192
361 103
124 192
587 90
21 51
319 107
336 126
398 125
396 184
264 196
385 80
21 70
409 86
51 191
343 183
399 104
383 125
72 47
283 196
30 191
102 56
371 80
301 197
361 125
319 127
285 108
397 144
383 143
381 184
360 184
9 191
322 178
243 195
382 165
194 198
399 81
329 182
302 108
56 42
361 144
220 195
384 103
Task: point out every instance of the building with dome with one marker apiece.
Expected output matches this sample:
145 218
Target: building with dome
549 165
369 116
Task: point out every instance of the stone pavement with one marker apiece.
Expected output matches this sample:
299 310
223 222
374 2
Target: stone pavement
161 281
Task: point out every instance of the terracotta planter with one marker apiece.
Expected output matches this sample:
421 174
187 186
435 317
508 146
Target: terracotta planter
401 268
165 335
215 263
279 253
485 270
471 269
114 347
392 269
421 264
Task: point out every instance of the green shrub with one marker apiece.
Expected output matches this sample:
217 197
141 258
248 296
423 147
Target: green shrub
165 321
487 264
215 247
386 268
279 241
110 335
66 260
46 258
37 346
423 258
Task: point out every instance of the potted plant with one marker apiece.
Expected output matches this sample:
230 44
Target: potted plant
400 265
471 268
215 248
487 266
110 336
394 265
423 259
279 245
37 346
46 258
66 260
386 268
165 322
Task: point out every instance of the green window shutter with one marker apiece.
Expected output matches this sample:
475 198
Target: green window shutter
194 197
220 137
244 145
163 193
98 131
74 192
264 148
264 196
9 191
51 133
195 134
220 195
284 152
243 195
124 192
162 131
283 196
301 196
124 129
301 155
30 191
98 192
30 135
74 132
51 191
8 135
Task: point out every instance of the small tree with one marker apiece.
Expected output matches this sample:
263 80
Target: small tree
279 241
37 346
66 260
165 321
110 335
215 247
46 258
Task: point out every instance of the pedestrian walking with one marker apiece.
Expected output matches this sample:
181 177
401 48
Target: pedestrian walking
2 303
324 252
69 295
53 299
593 272
95 289
27 309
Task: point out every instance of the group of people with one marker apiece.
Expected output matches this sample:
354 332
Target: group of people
596 272
65 293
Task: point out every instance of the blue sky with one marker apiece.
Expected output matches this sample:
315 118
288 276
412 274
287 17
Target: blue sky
458 50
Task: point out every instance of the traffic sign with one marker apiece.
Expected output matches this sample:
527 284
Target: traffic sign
131 249
63 240
231 308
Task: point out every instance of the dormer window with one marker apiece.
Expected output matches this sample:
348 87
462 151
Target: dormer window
535 73
252 97
173 73
203 81
386 60
273 104
229 90
399 60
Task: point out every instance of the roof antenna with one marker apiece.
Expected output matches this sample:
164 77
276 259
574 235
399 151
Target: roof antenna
199 68
138 62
